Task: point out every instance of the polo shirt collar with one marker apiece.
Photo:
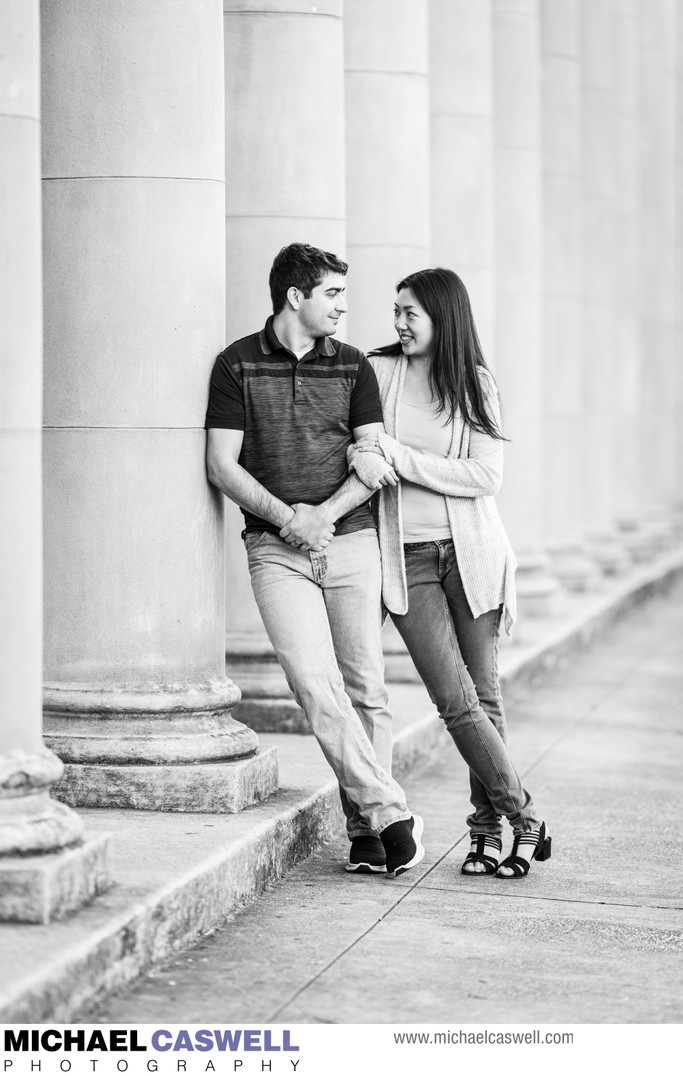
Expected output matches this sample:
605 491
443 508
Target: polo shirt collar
270 342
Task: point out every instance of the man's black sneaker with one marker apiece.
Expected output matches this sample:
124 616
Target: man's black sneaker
403 845
367 856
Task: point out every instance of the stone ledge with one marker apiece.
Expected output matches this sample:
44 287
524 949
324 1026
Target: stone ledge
179 876
583 618
39 889
208 787
272 715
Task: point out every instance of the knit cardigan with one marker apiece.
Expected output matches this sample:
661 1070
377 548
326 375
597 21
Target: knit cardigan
468 477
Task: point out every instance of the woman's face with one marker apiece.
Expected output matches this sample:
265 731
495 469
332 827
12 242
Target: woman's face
414 326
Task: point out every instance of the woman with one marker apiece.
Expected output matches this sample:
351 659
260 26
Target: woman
447 564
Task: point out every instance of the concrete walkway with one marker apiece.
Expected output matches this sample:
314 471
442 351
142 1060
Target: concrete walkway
595 935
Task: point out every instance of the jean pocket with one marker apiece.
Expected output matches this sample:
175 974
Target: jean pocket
253 539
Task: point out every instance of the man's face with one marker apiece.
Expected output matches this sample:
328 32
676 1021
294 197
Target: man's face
320 313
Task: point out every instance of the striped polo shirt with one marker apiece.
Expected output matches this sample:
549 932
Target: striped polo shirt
297 416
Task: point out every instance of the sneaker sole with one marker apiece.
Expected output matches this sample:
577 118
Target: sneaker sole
366 868
418 830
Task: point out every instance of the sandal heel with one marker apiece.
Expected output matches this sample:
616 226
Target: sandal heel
518 864
544 851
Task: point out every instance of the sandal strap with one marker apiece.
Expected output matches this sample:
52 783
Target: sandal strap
518 864
527 838
480 857
482 841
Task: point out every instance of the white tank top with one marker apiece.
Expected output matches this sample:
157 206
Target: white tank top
425 518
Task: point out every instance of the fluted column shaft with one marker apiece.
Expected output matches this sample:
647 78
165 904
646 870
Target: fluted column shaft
387 157
134 301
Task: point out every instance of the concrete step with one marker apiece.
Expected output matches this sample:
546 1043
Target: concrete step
177 877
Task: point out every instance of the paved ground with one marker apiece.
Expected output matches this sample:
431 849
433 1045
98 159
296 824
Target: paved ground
595 935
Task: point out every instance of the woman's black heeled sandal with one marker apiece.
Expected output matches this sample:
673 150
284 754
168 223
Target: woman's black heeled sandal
483 841
517 864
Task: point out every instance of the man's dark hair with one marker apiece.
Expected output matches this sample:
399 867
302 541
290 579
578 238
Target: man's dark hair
300 266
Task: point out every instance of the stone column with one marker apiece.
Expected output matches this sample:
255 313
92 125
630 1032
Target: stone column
387 157
598 66
630 364
461 104
679 263
284 144
137 702
518 353
33 887
562 473
461 139
659 413
284 163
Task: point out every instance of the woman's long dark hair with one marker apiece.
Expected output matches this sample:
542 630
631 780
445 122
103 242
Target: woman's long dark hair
456 351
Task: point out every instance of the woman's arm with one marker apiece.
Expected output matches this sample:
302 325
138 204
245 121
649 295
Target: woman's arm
479 475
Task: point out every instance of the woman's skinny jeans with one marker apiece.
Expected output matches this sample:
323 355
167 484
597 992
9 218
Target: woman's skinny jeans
456 656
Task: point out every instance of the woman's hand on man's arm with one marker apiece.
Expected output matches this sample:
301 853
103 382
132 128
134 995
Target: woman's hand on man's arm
366 458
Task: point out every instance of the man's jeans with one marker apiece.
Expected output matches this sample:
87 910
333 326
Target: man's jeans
456 656
322 612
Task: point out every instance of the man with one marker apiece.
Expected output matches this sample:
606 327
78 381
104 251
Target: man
285 404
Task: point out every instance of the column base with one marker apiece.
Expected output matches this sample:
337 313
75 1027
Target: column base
155 724
573 567
47 870
677 520
609 551
31 823
204 788
41 888
267 703
646 538
156 747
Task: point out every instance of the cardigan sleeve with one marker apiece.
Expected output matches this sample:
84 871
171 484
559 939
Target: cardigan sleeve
480 475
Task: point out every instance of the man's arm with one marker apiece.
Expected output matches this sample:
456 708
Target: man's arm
310 520
222 453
